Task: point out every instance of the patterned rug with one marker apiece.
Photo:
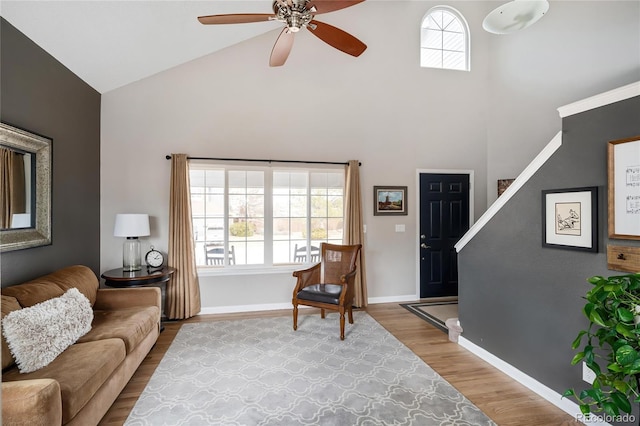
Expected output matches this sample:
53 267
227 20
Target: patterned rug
261 372
435 312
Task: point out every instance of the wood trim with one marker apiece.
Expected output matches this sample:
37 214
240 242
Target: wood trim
611 202
526 174
621 258
602 99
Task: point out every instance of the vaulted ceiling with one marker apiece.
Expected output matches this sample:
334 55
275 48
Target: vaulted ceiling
112 43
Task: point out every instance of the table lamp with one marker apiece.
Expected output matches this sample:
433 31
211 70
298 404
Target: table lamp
131 226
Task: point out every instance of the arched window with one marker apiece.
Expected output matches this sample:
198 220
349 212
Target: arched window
444 39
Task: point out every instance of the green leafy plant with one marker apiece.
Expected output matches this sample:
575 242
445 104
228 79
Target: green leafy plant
613 338
316 234
242 229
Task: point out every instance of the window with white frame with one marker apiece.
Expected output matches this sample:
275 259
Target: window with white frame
444 40
264 216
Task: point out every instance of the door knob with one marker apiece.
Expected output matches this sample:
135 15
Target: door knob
424 246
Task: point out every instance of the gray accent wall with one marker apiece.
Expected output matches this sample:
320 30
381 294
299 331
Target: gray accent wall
520 301
41 96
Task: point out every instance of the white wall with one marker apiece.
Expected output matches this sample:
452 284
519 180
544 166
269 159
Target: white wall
380 108
577 50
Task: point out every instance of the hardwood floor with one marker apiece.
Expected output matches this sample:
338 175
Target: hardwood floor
504 400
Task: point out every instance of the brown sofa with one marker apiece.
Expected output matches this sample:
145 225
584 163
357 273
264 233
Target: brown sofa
79 386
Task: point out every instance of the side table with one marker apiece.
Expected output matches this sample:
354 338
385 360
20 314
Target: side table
143 277
119 278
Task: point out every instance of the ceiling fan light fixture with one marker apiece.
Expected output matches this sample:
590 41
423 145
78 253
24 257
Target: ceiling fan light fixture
514 16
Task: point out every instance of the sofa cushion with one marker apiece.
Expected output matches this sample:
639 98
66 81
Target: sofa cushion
80 370
131 325
54 285
34 293
326 293
38 334
9 304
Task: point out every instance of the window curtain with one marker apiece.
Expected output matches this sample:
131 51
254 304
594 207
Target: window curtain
353 227
12 186
183 290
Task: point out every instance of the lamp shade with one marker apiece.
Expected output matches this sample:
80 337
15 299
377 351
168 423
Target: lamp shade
131 225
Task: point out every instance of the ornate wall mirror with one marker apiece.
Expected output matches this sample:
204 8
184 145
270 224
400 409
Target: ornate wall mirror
25 189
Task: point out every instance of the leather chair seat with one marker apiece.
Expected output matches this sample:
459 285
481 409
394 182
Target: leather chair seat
325 293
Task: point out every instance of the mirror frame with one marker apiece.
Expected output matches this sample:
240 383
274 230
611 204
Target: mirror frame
18 239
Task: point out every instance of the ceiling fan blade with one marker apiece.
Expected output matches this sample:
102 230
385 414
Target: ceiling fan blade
235 18
337 38
281 49
325 6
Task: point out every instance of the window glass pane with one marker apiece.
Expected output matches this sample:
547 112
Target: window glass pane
237 205
431 58
255 253
298 251
453 41
197 204
214 181
281 228
335 206
434 20
255 206
281 206
198 228
319 229
319 206
432 39
298 182
281 252
455 26
447 18
318 180
334 228
298 228
454 60
335 181
237 182
214 205
298 205
196 180
240 252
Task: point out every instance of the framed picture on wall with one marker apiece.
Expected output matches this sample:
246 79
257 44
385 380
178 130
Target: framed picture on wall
570 218
503 184
624 188
389 200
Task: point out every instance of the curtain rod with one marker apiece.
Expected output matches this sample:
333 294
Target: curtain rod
168 157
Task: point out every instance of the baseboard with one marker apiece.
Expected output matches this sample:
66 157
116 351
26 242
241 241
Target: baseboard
393 299
544 391
275 306
244 308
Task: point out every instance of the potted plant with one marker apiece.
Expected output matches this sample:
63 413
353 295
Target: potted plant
613 337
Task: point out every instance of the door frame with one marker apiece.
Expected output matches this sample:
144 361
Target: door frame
471 175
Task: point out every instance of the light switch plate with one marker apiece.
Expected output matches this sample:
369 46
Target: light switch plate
399 228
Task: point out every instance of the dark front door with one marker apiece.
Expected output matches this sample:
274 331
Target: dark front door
444 218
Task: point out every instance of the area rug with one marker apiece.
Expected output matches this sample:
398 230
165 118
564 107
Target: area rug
261 372
435 312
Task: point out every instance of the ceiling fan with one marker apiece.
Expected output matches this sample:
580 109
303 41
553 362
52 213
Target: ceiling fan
296 15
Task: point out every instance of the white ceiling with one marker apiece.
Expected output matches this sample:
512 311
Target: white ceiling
109 44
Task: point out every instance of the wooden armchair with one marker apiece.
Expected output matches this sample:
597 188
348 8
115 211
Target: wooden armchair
328 284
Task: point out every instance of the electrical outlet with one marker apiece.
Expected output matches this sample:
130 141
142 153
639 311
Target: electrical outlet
587 375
